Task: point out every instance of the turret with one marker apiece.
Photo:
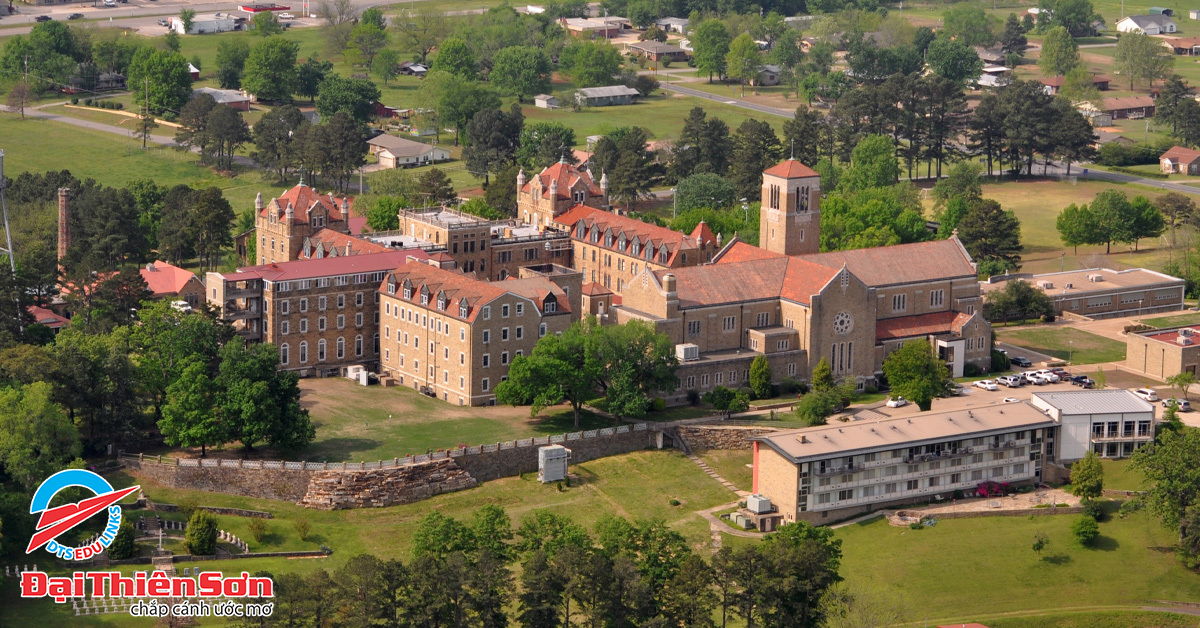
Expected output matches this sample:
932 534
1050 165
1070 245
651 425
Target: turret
290 213
604 186
520 178
554 189
258 203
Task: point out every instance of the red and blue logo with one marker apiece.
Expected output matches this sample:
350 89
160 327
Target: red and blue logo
59 520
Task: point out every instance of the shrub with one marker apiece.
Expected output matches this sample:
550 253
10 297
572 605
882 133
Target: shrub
1047 318
201 536
916 525
815 407
788 385
802 387
760 377
999 361
74 100
120 105
1085 530
1093 509
87 102
303 528
870 390
123 545
675 502
658 404
693 397
187 507
258 529
972 370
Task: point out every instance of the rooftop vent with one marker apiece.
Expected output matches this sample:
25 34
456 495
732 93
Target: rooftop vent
1045 285
1184 341
1068 286
1095 277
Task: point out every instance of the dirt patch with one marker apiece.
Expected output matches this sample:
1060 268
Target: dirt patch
1042 497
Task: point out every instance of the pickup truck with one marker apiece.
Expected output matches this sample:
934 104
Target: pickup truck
286 16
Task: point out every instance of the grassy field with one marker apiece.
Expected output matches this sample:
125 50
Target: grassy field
964 570
1119 475
1097 619
1088 348
1190 318
730 464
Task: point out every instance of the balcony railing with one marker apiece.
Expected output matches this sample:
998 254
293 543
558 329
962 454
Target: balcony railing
237 314
1116 438
242 293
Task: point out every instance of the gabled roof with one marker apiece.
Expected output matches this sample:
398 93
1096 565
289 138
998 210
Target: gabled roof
902 263
1180 155
568 176
303 198
164 279
791 278
328 267
656 47
330 243
791 169
399 146
918 325
465 289
43 316
645 233
1128 102
608 91
594 289
738 251
1142 21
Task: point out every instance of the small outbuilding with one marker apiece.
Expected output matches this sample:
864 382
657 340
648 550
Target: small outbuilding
545 101
399 152
605 96
229 97
208 23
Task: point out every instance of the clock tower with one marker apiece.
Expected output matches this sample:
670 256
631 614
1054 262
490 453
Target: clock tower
790 217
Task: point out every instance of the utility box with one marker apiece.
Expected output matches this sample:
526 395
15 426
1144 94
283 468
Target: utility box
552 463
758 504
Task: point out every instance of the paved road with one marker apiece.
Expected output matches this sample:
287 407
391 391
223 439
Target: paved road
679 89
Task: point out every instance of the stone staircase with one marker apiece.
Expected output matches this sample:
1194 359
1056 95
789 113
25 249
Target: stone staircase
713 474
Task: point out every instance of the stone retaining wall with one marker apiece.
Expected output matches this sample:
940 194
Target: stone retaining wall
721 436
283 484
503 463
337 490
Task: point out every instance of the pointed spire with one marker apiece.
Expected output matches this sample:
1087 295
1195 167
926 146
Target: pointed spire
258 203
521 178
793 156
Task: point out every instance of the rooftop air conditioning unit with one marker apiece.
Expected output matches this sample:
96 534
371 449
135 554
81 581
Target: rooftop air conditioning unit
552 463
758 504
1045 285
1068 286
1184 340
687 352
1186 331
1095 277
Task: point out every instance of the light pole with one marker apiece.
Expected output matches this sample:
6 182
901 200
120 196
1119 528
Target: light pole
674 202
1071 354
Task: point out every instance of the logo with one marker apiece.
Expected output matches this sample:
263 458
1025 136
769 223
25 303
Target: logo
59 520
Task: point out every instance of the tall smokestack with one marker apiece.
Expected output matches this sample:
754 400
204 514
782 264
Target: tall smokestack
64 222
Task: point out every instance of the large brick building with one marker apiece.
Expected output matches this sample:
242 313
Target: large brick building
284 225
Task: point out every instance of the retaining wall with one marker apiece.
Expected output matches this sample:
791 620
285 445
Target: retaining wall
721 437
267 483
337 490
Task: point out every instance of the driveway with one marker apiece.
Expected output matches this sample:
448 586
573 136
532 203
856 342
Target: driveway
687 91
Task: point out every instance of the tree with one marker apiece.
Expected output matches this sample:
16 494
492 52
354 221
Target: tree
336 148
189 418
755 148
1147 221
915 373
310 75
521 71
1078 17
545 143
492 139
1079 86
1142 58
422 29
1176 208
760 377
805 561
275 145
200 536
123 545
456 57
37 438
688 599
990 233
384 215
954 59
1077 225
1040 542
704 146
590 62
711 45
386 65
968 24
187 17
271 69
822 376
18 95
704 190
873 165
502 193
1087 476
337 17
1060 53
636 363
160 79
374 16
1114 216
193 125
1017 300
541 592
257 402
1085 530
435 186
228 132
727 400
231 62
453 100
537 379
1171 469
1171 98
1182 380
622 155
802 135
366 40
744 60
1012 39
266 23
355 97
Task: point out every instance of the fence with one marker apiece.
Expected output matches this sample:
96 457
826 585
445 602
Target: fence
387 464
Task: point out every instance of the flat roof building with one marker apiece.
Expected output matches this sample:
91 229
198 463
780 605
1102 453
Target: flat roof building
838 470
1111 423
1102 292
1163 353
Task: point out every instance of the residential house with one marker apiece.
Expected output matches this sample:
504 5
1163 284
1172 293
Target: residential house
1054 83
605 96
1147 24
231 98
658 51
1180 160
1129 107
408 68
993 55
596 27
1189 46
399 152
768 75
1110 137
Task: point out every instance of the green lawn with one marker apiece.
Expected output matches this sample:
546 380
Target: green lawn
965 570
1087 348
1191 318
731 464
1096 619
1119 475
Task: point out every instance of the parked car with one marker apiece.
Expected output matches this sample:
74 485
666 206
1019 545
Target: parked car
110 3
1083 381
286 16
1037 379
75 16
43 18
162 22
1061 373
1182 405
1147 394
1012 381
987 384
896 402
1020 361
1011 400
1050 376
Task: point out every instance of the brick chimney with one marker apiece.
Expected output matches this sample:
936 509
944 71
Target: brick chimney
64 222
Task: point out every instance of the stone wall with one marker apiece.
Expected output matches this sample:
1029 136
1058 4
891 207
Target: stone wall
283 484
502 463
721 436
337 490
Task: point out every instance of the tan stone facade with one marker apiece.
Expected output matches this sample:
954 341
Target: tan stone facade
542 198
453 337
790 215
1163 353
283 225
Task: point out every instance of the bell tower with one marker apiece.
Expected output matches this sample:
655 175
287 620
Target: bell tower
790 217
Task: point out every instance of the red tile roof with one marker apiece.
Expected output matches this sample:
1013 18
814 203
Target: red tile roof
738 251
919 325
791 278
357 225
460 289
702 233
42 316
568 177
593 289
302 199
165 278
330 243
1180 155
791 169
327 267
902 263
645 233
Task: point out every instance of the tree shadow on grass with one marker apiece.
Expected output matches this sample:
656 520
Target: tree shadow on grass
1104 543
271 539
1057 559
335 449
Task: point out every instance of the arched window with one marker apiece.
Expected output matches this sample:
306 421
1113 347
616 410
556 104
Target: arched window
358 345
321 350
283 353
304 352
341 347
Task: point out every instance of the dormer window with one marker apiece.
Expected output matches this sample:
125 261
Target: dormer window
581 231
608 239
424 298
621 242
407 292
550 306
580 196
637 247
462 310
662 256
441 304
595 234
391 288
650 253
